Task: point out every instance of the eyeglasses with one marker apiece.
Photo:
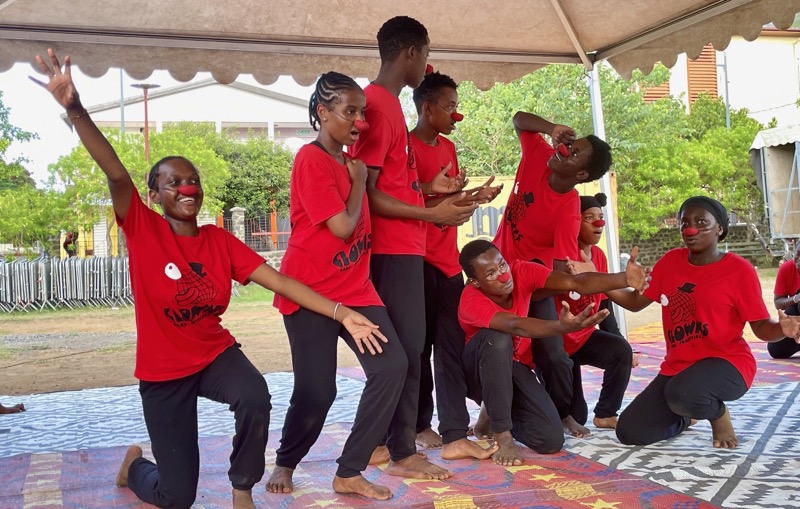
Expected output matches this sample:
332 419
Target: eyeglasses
452 108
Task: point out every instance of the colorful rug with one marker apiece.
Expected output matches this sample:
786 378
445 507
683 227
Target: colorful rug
84 479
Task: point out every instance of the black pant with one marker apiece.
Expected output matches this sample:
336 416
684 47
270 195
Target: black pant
442 295
666 406
553 365
609 323
398 280
170 412
514 398
313 339
614 356
786 347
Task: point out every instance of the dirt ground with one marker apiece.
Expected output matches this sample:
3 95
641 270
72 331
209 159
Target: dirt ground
69 350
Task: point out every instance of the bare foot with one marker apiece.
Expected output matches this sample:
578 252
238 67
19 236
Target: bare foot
243 499
483 427
415 467
359 486
19 407
131 454
429 439
605 422
466 448
380 455
281 480
573 428
507 451
722 430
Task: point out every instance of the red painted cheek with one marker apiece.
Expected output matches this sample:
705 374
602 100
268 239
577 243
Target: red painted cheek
504 277
429 69
690 231
599 223
190 190
563 150
361 125
456 116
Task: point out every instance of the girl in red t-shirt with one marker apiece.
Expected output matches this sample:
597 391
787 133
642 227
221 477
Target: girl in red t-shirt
787 297
708 362
329 250
181 279
592 346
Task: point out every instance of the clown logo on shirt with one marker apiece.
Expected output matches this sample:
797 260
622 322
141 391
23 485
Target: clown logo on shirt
194 294
681 307
516 210
356 246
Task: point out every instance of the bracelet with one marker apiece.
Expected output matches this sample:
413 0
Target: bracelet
336 308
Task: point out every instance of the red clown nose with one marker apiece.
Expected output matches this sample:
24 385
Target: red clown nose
599 223
456 116
429 69
690 231
188 190
504 277
563 150
361 125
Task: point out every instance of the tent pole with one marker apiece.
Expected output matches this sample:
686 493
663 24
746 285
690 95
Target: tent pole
612 239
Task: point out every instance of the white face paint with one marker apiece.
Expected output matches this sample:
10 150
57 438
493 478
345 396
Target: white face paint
172 272
574 295
664 300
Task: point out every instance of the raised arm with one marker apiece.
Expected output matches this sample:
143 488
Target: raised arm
63 89
534 123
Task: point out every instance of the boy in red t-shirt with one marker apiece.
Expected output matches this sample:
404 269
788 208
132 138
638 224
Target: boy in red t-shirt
181 279
398 216
541 224
704 310
592 346
499 337
787 297
436 100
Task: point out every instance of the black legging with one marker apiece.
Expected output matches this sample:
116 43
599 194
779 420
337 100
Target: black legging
666 406
786 347
614 356
553 365
314 339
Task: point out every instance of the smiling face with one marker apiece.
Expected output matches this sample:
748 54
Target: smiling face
575 163
708 229
589 233
339 121
488 267
178 204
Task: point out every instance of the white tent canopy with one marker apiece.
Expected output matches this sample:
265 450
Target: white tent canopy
478 40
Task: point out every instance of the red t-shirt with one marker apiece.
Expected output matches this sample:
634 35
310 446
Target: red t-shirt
181 286
441 247
335 268
787 282
573 341
705 310
538 222
476 310
386 146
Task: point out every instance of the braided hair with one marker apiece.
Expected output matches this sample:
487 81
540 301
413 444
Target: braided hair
327 91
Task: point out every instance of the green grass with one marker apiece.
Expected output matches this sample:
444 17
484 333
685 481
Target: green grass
117 348
767 272
252 294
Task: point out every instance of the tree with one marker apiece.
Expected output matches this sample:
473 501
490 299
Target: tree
12 171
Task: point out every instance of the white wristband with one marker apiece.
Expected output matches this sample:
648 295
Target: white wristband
335 309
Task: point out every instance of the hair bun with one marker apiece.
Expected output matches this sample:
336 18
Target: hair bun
601 198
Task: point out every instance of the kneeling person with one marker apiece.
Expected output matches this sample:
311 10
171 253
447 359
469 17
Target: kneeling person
497 357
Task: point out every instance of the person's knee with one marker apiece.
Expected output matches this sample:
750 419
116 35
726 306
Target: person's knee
253 398
628 433
497 343
394 371
547 439
680 401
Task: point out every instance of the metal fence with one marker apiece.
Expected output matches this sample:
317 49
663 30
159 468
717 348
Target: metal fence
28 285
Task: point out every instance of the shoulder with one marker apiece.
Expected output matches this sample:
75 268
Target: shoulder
446 143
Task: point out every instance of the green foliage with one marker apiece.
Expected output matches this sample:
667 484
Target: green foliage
12 171
26 215
662 155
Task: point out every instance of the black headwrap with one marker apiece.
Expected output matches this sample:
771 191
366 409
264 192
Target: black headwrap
599 200
711 205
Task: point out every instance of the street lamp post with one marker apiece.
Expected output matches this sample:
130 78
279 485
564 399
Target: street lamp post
145 87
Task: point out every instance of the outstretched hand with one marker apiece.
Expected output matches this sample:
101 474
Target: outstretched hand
483 193
59 83
575 267
637 276
790 325
364 332
582 320
442 183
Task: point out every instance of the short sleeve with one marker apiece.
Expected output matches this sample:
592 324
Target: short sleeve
137 215
374 143
244 261
530 274
316 186
750 305
783 280
475 309
662 266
